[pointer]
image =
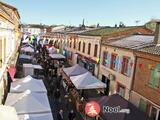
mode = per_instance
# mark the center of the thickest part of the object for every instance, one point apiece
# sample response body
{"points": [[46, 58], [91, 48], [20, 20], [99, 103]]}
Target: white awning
{"points": [[28, 83], [32, 66], [24, 56], [8, 113], [87, 81], [27, 49], [42, 116], [57, 56], [74, 70], [28, 102]]}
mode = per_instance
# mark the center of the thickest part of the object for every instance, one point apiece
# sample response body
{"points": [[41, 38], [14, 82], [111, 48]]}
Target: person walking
{"points": [[71, 115], [57, 95], [60, 115]]}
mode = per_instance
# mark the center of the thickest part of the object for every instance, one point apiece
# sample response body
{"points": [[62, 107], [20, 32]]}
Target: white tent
{"points": [[87, 81], [28, 102], [42, 116], [52, 50], [57, 56], [8, 113], [27, 49], [74, 70], [21, 85], [24, 56]]}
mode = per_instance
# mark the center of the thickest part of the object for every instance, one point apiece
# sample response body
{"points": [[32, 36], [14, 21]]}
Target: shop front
{"points": [[87, 64]]}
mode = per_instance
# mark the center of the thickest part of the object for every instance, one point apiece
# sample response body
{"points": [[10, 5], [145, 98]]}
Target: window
{"points": [[142, 105], [120, 90], [79, 47], [0, 53], [95, 50], [89, 48], [74, 43], [154, 81], [83, 47], [125, 65], [114, 61], [70, 44], [104, 58]]}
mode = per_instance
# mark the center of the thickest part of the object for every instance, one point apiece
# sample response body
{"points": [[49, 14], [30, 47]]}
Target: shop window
{"points": [[79, 47], [89, 48], [154, 113], [83, 47], [142, 105], [95, 50], [114, 61], [154, 81], [121, 90]]}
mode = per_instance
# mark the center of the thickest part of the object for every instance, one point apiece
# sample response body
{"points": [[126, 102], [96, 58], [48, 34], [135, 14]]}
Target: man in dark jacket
{"points": [[71, 115], [60, 115]]}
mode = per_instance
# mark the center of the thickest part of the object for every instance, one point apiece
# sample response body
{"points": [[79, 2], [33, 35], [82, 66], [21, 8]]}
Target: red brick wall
{"points": [[141, 80]]}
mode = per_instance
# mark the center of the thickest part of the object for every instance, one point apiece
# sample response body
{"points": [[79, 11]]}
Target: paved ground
{"points": [[64, 102]]}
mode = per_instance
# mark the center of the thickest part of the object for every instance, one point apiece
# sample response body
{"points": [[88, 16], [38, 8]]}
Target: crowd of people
{"points": [[51, 70]]}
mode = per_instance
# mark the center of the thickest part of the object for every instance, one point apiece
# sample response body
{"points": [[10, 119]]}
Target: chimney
{"points": [[157, 34]]}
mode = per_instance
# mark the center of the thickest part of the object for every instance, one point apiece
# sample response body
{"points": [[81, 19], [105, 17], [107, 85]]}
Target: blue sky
{"points": [[71, 12]]}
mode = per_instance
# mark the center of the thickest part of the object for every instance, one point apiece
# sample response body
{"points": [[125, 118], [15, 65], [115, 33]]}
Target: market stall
{"points": [[27, 83], [57, 56], [31, 69], [8, 113], [28, 49], [29, 102], [41, 116], [23, 58]]}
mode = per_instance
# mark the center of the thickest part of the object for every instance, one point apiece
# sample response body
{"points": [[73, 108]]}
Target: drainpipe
{"points": [[133, 75], [99, 56]]}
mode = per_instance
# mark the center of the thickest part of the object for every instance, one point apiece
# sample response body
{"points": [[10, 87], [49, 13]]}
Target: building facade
{"points": [[118, 60], [146, 85], [9, 43]]}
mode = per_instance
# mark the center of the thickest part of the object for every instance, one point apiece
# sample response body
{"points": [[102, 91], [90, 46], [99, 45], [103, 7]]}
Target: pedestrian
{"points": [[71, 115], [60, 115], [57, 94]]}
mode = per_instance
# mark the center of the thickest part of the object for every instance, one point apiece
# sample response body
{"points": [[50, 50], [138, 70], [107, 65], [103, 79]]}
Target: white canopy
{"points": [[24, 56], [28, 102], [27, 49], [42, 116], [57, 56], [52, 50], [32, 66], [87, 81], [8, 113], [74, 70], [21, 85]]}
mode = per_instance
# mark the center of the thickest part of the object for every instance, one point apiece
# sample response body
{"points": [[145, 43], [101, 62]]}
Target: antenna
{"points": [[137, 22]]}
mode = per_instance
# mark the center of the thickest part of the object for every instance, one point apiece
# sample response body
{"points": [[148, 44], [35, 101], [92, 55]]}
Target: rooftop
{"points": [[105, 31], [152, 49], [132, 41]]}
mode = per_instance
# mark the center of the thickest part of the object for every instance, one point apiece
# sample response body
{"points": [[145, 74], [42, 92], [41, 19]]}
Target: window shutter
{"points": [[129, 68], [109, 60], [151, 81], [120, 64], [156, 78], [117, 62]]}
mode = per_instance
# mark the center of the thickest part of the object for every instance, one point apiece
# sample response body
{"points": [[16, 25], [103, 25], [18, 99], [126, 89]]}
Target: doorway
{"points": [[107, 82]]}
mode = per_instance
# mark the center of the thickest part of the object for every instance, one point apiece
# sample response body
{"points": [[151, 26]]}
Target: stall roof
{"points": [[8, 113], [74, 70], [87, 81], [116, 100], [33, 66], [27, 49], [42, 116], [57, 56], [24, 56], [28, 102], [23, 84]]}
